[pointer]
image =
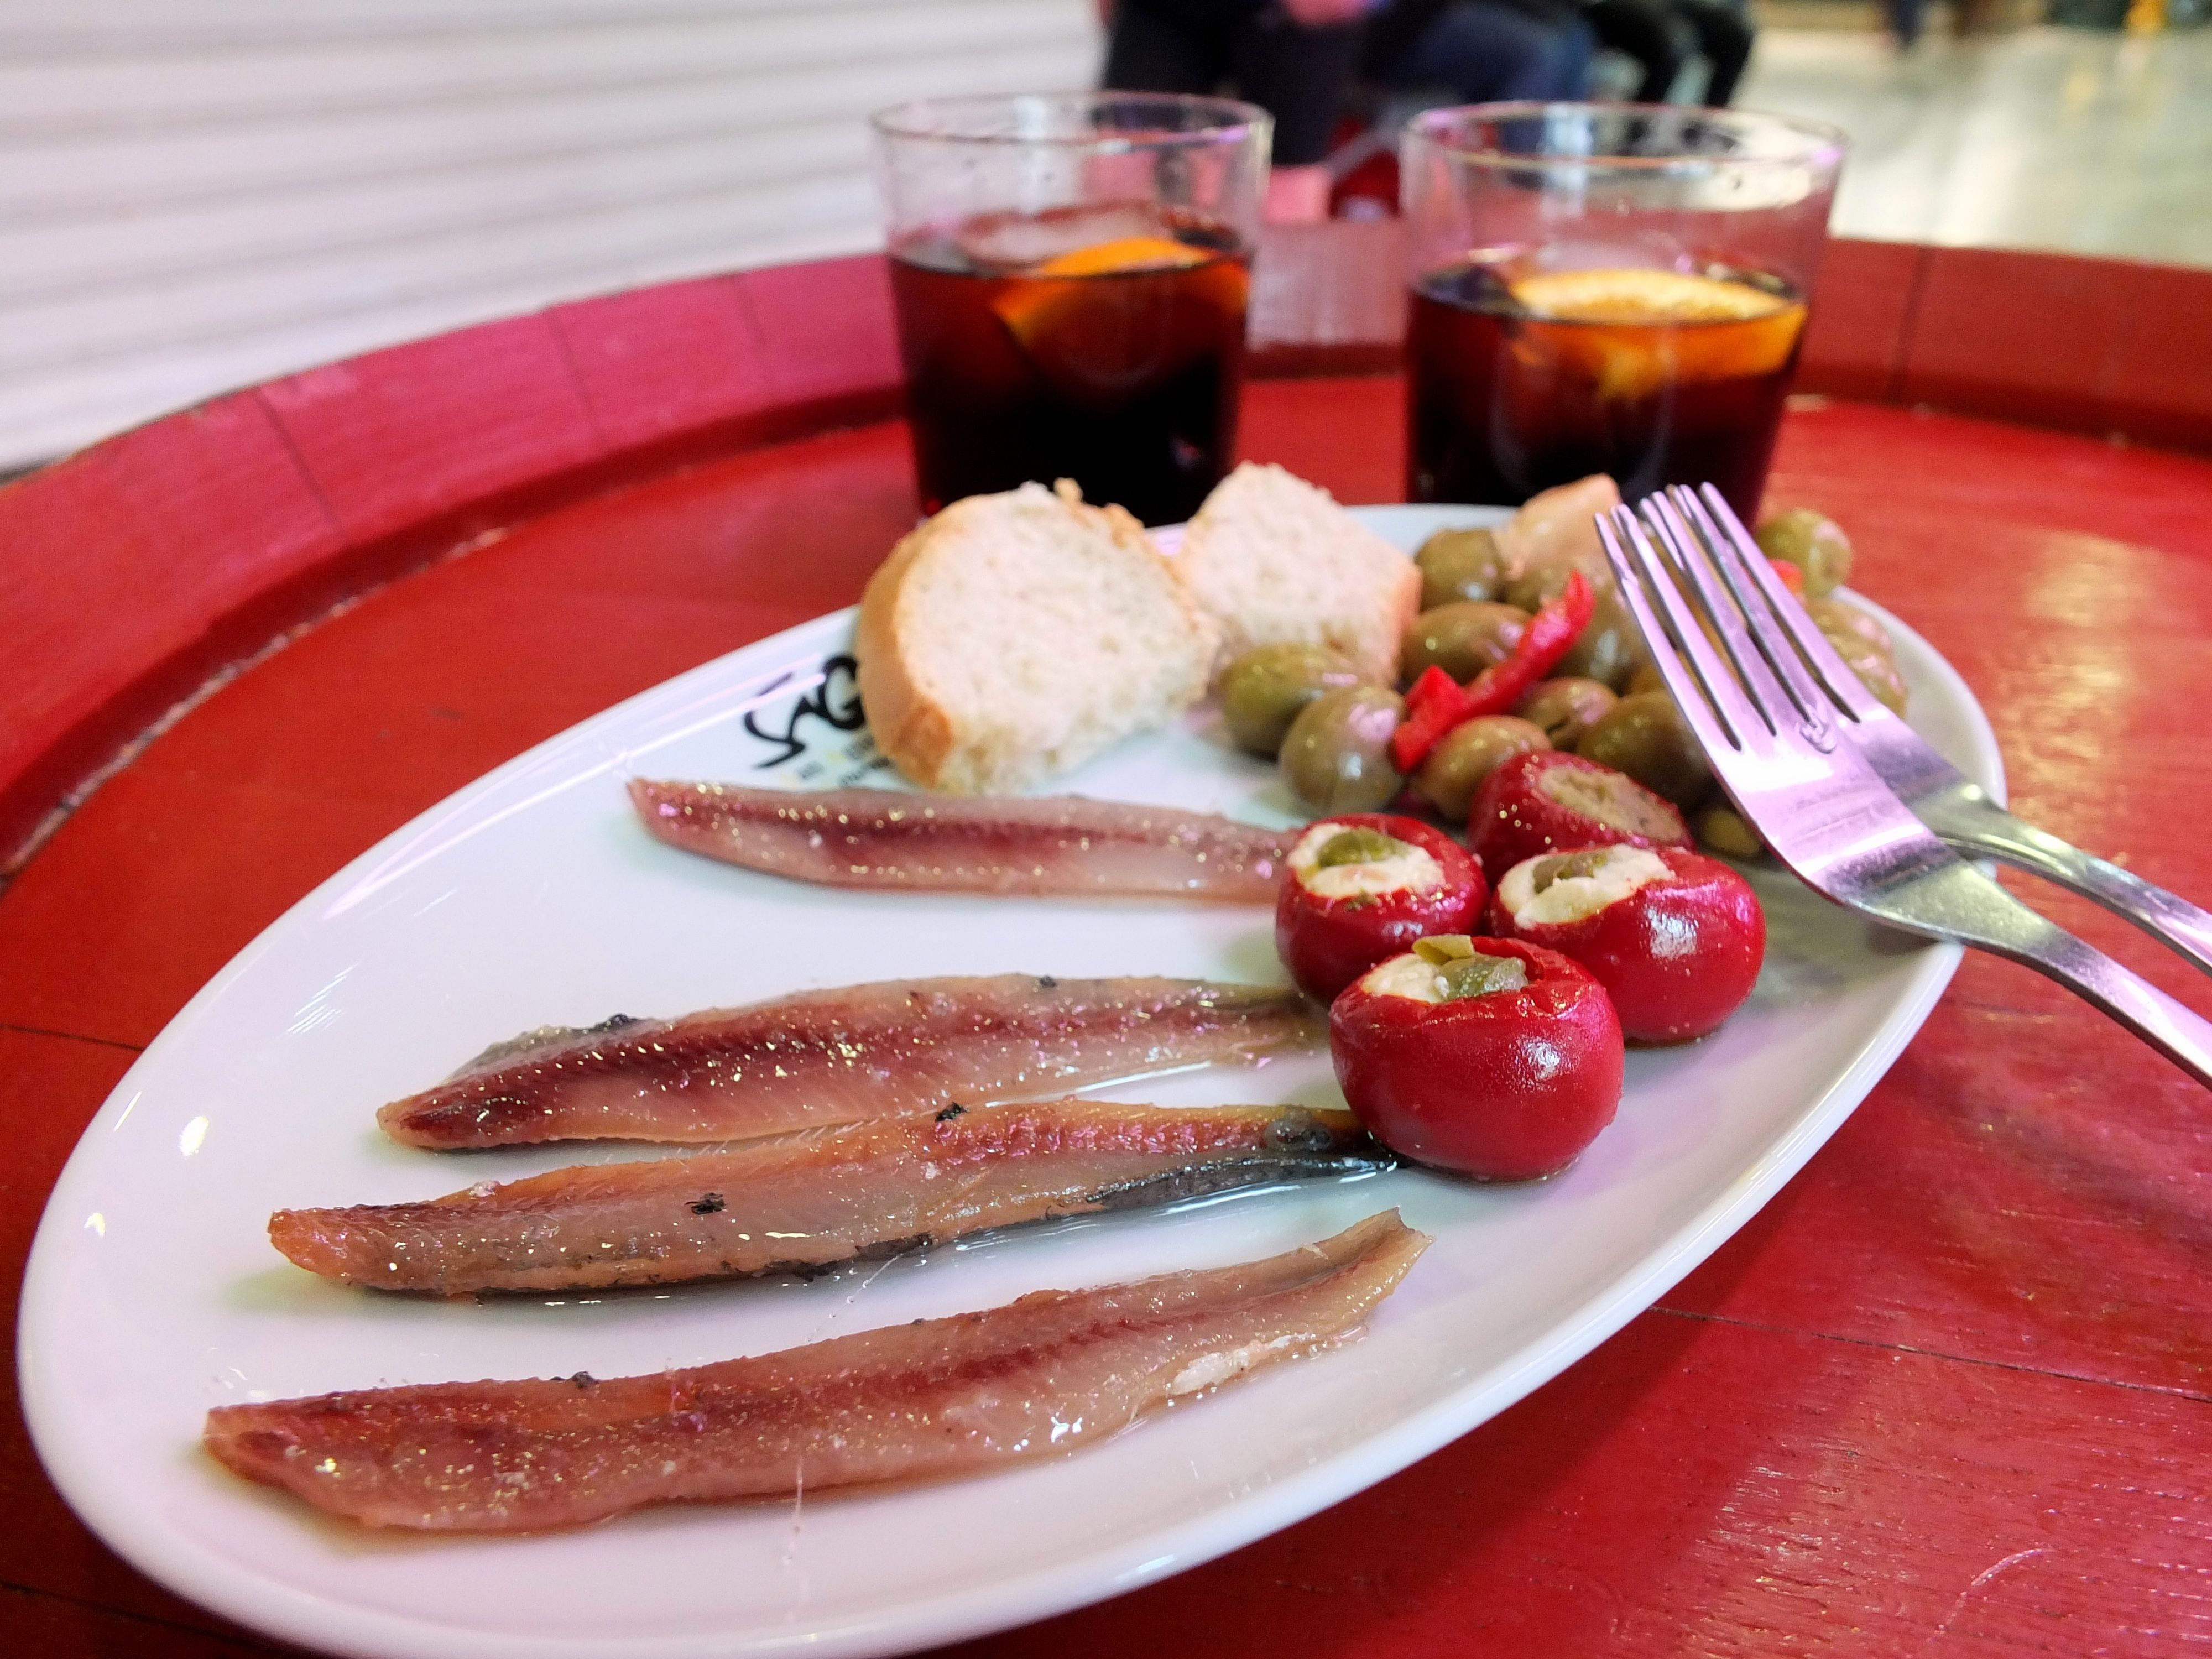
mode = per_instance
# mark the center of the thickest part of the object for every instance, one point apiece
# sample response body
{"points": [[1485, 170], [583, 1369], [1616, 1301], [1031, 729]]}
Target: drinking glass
{"points": [[1606, 288], [1071, 273]]}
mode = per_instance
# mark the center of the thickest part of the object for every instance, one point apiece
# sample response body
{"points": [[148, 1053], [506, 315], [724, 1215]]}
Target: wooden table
{"points": [[1949, 1394]]}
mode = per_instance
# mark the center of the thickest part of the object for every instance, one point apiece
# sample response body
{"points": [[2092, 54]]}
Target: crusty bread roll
{"points": [[1014, 636], [1274, 559]]}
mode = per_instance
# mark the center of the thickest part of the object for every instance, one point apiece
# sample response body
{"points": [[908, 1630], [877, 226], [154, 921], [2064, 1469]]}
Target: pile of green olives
{"points": [[1306, 707], [1863, 644], [1822, 554]]}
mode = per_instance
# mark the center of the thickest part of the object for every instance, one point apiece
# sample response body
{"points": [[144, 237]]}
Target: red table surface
{"points": [[1950, 1393]]}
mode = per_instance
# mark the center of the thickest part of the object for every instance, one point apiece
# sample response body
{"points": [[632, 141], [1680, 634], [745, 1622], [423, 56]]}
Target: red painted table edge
{"points": [[203, 537]]}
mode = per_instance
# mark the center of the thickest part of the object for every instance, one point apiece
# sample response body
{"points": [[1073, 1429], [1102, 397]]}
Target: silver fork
{"points": [[1778, 748], [1944, 798]]}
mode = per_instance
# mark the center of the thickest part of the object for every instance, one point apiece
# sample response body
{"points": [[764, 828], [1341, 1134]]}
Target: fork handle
{"points": [[1979, 825], [2181, 1036]]}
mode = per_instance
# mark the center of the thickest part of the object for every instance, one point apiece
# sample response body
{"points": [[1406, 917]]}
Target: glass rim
{"points": [[1823, 144], [1231, 119]]}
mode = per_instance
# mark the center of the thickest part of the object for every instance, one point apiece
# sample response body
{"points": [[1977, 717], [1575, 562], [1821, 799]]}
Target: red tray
{"points": [[1949, 1393]]}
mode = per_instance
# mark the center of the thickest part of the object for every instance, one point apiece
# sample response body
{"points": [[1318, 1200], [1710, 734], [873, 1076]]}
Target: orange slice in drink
{"points": [[1099, 342], [1122, 253], [1035, 305], [1633, 333]]}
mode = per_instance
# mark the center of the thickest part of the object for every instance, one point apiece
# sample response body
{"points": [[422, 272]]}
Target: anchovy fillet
{"points": [[807, 1202], [843, 1056], [930, 1400], [1054, 845]]}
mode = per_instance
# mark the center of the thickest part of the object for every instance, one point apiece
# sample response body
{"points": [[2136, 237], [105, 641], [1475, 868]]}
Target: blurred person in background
{"points": [[1295, 59], [1663, 35], [1483, 51]]}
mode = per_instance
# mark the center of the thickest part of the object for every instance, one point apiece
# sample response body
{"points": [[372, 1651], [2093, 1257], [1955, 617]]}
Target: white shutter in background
{"points": [[198, 194]]}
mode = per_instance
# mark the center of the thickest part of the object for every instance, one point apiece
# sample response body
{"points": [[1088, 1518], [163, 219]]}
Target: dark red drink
{"points": [[1116, 360], [1517, 383]]}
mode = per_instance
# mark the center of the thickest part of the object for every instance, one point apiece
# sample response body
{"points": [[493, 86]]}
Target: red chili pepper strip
{"points": [[1433, 709], [1551, 634]]}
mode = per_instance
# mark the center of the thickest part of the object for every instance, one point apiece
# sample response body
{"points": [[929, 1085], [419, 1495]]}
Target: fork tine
{"points": [[1837, 682], [1714, 705], [1767, 633], [1764, 691]]}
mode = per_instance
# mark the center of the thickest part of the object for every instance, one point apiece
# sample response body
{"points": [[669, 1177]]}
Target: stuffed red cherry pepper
{"points": [[1364, 886], [1675, 938], [1554, 802], [1493, 1057]]}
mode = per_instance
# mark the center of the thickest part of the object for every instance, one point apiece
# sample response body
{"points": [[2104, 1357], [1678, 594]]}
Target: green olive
{"points": [[1646, 737], [1568, 867], [1441, 950], [1358, 846], [1566, 708], [1470, 752], [1645, 678], [1721, 829], [1608, 648], [1263, 689], [1840, 621], [1460, 564], [1462, 639], [1467, 972], [1480, 976], [1336, 757], [1640, 666], [1814, 544], [1876, 671], [1464, 971]]}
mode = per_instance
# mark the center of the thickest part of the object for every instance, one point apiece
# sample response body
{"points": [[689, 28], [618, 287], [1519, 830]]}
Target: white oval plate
{"points": [[533, 897]]}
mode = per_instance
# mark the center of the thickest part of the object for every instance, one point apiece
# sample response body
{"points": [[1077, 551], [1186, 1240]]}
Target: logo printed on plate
{"points": [[822, 728]]}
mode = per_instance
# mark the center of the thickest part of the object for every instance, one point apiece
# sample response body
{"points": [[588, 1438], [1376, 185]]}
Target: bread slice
{"points": [[1274, 559], [1014, 636]]}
